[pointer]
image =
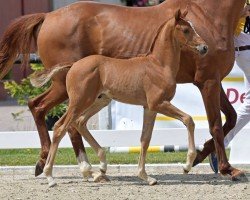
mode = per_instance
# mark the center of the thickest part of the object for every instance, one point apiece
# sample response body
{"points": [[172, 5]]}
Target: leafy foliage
{"points": [[24, 91]]}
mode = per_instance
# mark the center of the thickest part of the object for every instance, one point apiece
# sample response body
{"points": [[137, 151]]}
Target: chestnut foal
{"points": [[147, 80]]}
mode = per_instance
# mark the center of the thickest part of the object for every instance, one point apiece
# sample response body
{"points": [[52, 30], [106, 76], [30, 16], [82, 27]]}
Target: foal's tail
{"points": [[38, 79], [17, 40]]}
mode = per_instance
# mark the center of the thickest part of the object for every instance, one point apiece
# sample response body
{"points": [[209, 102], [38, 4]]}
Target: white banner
{"points": [[187, 98]]}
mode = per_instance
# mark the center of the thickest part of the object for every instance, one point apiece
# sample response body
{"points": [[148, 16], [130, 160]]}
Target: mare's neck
{"points": [[216, 20], [223, 15], [228, 10], [166, 49]]}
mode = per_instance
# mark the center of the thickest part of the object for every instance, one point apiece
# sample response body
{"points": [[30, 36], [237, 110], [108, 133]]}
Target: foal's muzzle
{"points": [[202, 48]]}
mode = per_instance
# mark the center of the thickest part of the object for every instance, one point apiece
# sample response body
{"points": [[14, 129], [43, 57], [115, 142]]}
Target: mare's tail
{"points": [[38, 79], [17, 40]]}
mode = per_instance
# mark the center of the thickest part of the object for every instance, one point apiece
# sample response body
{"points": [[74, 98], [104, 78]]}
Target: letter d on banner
{"points": [[232, 92]]}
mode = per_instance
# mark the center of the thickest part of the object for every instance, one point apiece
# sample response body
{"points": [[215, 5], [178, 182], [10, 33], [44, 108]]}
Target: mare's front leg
{"points": [[231, 117], [148, 125], [210, 91], [39, 107]]}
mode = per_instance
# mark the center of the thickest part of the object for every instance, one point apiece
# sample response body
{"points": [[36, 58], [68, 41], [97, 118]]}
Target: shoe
{"points": [[213, 161]]}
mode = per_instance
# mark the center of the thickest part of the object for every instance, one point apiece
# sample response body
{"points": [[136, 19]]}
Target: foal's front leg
{"points": [[148, 125], [168, 109], [81, 126]]}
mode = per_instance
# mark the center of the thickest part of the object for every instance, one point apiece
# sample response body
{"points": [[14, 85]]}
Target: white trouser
{"points": [[243, 61]]}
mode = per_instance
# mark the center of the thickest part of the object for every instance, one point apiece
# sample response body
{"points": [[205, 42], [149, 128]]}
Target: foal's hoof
{"points": [[39, 168], [52, 184], [185, 171], [239, 176], [152, 182], [87, 175], [100, 178]]}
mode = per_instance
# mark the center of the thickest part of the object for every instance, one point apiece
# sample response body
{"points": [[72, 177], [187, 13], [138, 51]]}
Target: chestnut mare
{"points": [[87, 28], [148, 80]]}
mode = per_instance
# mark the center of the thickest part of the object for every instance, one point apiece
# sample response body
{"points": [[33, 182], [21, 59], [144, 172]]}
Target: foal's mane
{"points": [[158, 33]]}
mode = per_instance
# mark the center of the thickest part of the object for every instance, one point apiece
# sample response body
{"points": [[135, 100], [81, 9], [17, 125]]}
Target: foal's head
{"points": [[186, 34]]}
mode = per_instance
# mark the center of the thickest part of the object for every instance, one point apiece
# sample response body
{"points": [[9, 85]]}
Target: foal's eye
{"points": [[186, 31]]}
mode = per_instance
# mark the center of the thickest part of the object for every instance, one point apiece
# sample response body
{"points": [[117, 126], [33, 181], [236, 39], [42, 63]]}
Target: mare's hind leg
{"points": [[81, 125], [168, 109], [148, 125], [39, 106]]}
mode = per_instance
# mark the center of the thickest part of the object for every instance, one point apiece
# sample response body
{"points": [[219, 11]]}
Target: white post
{"points": [[105, 119]]}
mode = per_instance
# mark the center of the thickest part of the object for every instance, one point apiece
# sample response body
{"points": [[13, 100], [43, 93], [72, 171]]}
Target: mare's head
{"points": [[187, 36]]}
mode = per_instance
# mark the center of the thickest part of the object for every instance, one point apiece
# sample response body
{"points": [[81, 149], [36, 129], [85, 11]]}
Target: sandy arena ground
{"points": [[201, 183]]}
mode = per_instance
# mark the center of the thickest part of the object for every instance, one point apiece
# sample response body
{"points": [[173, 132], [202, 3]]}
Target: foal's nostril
{"points": [[203, 49]]}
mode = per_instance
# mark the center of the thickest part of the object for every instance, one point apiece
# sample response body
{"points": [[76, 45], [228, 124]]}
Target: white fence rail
{"points": [[106, 138], [240, 147]]}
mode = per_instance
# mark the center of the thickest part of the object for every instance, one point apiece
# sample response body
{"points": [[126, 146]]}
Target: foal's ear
{"points": [[184, 14], [177, 15]]}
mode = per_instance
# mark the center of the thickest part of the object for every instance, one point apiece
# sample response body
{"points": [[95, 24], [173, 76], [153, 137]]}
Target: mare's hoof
{"points": [[240, 176], [197, 160], [39, 168]]}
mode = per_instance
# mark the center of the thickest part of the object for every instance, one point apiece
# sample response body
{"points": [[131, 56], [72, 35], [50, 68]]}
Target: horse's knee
{"points": [[38, 111], [188, 121], [81, 122], [216, 132], [59, 132], [31, 104], [216, 129]]}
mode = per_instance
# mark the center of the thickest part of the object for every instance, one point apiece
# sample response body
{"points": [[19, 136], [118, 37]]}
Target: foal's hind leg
{"points": [[76, 107], [81, 125], [80, 152], [59, 131], [39, 107], [148, 125], [168, 109]]}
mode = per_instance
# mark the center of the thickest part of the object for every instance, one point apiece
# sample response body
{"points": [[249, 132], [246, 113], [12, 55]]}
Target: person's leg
{"points": [[243, 61], [242, 119]]}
